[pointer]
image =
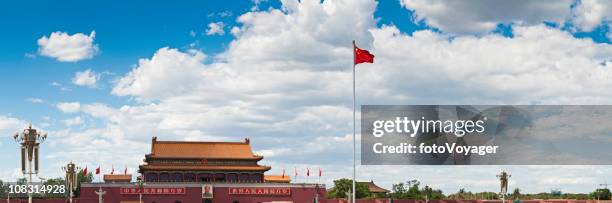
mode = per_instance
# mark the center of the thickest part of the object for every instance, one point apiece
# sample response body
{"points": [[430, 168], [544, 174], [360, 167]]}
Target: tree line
{"points": [[413, 189]]}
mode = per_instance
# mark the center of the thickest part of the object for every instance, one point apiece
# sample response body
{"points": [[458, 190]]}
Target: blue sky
{"points": [[126, 34], [280, 74]]}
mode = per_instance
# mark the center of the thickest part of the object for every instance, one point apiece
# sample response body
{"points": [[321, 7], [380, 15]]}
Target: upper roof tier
{"points": [[202, 150]]}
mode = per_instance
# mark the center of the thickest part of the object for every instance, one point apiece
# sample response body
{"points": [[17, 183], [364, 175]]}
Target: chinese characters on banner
{"points": [[260, 191], [157, 191]]}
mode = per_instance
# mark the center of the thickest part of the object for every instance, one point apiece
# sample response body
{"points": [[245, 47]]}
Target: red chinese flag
{"points": [[113, 170], [125, 172], [85, 171], [98, 170], [362, 56], [307, 172]]}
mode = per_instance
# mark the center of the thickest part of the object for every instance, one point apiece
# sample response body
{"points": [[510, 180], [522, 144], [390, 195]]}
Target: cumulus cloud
{"points": [[481, 17], [87, 78], [69, 107], [168, 72], [68, 48], [463, 17], [73, 121], [215, 28], [285, 39], [10, 125], [559, 62], [590, 13]]}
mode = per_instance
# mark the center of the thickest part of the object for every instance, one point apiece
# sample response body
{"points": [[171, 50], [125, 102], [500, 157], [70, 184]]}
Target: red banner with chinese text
{"points": [[259, 191], [156, 191]]}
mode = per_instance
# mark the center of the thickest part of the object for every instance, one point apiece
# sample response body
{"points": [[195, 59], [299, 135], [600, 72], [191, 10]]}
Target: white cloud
{"points": [[591, 13], [302, 36], [221, 14], [73, 121], [273, 152], [493, 69], [86, 78], [30, 55], [168, 72], [35, 100], [99, 110], [69, 107], [68, 48], [481, 17], [215, 28], [224, 14], [463, 17], [235, 31], [10, 125]]}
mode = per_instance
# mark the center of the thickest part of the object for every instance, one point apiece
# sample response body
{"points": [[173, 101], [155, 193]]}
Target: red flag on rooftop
{"points": [[113, 170], [308, 172], [85, 171], [98, 170], [125, 172], [361, 55]]}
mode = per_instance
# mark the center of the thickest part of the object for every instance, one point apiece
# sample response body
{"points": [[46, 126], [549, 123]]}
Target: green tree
{"points": [[342, 186], [462, 194], [398, 190], [431, 193], [55, 181], [3, 189], [602, 194], [412, 190], [486, 195]]}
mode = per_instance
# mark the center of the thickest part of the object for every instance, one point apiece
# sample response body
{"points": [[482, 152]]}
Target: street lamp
{"points": [[141, 185], [30, 141], [71, 177], [427, 193], [503, 180]]}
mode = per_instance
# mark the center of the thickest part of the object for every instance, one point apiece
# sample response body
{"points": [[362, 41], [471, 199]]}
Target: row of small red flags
{"points": [[295, 173], [98, 170]]}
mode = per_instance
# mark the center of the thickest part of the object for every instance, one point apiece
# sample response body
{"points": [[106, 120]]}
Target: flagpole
{"points": [[319, 181], [354, 128]]}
